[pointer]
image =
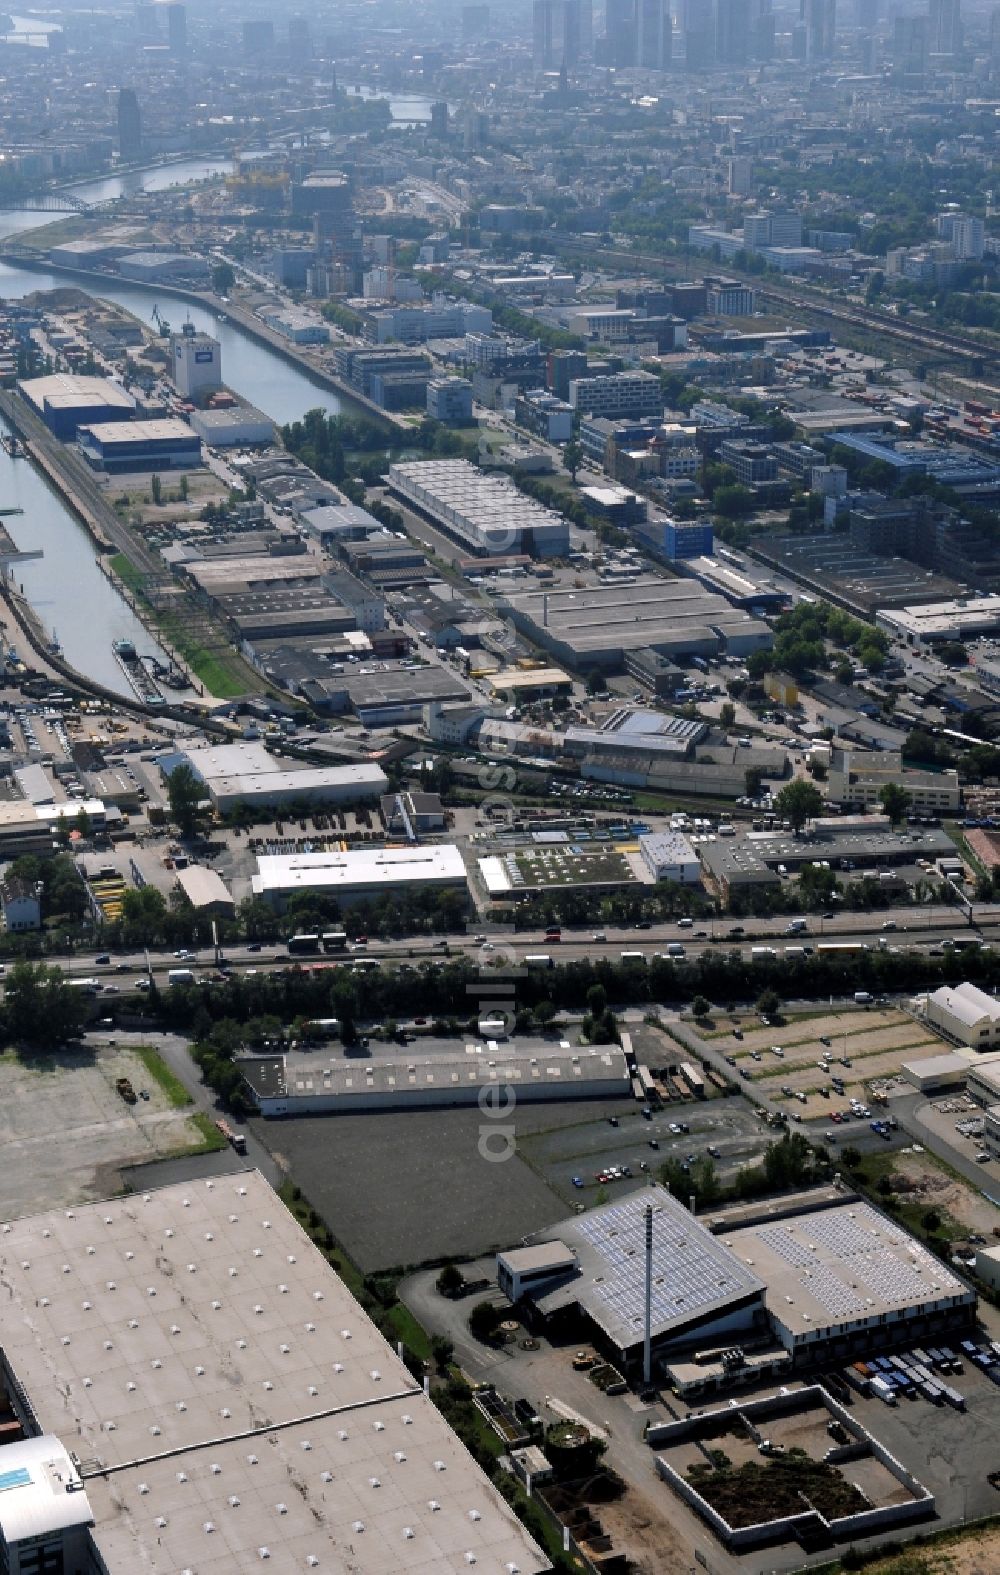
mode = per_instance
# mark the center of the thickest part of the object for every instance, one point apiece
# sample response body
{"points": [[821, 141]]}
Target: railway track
{"points": [[924, 339]]}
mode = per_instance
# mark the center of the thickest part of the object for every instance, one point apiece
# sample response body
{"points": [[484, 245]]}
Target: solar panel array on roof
{"points": [[691, 1269]]}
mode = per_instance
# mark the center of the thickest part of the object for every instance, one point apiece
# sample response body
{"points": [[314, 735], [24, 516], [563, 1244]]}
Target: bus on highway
{"points": [[335, 940], [539, 960], [302, 945], [842, 948]]}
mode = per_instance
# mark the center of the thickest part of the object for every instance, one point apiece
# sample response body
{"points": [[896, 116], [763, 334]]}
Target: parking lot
{"points": [[950, 1451], [66, 1132], [874, 1043], [570, 1157]]}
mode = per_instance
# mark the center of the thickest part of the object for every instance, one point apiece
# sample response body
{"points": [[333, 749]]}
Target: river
{"points": [[66, 587]]}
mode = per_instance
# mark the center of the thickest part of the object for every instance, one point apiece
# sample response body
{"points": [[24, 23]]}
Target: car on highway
{"points": [[578, 1181], [102, 959]]}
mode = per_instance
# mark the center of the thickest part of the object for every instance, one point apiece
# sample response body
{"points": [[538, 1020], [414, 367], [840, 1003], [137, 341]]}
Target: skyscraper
{"points": [[299, 42], [177, 28], [621, 27], [909, 46], [700, 29], [555, 34], [654, 35], [129, 126], [258, 38], [820, 17], [944, 27], [732, 31]]}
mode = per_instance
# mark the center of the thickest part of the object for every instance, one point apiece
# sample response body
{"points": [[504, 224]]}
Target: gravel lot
{"points": [[65, 1133], [410, 1187]]}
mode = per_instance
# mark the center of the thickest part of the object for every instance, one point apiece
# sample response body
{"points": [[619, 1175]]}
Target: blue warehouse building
{"points": [[66, 402], [116, 447]]}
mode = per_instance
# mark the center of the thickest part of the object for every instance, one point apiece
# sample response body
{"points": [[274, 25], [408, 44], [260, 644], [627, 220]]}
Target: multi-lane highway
{"points": [[923, 929]]}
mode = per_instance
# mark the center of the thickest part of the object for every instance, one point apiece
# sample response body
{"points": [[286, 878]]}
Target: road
{"points": [[924, 928], [175, 1051]]}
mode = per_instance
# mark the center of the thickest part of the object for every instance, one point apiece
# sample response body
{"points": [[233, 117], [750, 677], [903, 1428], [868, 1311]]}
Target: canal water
{"points": [[66, 587]]}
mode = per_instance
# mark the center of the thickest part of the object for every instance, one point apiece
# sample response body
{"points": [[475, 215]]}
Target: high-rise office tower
{"points": [[147, 20], [299, 42], [129, 126], [439, 121], [654, 35], [555, 34], [258, 38], [542, 24], [177, 28], [866, 13], [699, 28], [621, 28], [762, 30], [740, 172], [820, 18], [732, 32], [910, 46], [944, 24], [995, 38], [586, 9]]}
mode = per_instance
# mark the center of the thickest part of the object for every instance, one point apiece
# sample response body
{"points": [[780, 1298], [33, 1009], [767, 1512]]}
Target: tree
{"points": [[223, 278], [442, 1351], [727, 714], [798, 802], [40, 1006], [597, 1000], [596, 683], [184, 792], [450, 1281], [895, 801], [484, 1321], [156, 488], [768, 1003], [700, 1007], [572, 458], [851, 1157], [753, 781]]}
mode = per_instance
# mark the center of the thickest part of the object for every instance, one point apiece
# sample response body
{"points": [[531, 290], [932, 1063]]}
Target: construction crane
{"points": [[162, 325]]}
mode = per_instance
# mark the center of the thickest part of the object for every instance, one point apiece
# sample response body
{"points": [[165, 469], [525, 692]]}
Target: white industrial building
{"points": [[824, 1283], [668, 855], [359, 874], [983, 1081], [200, 1392], [961, 619], [205, 890], [295, 1085], [485, 514], [196, 364], [849, 1276], [933, 1074], [967, 1014], [247, 773], [238, 426]]}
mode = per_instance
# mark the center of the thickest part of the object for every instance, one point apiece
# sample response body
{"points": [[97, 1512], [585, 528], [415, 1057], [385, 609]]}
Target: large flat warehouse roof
{"points": [[843, 1267], [645, 610], [361, 868], [695, 1276], [229, 1401], [65, 390], [412, 1075]]}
